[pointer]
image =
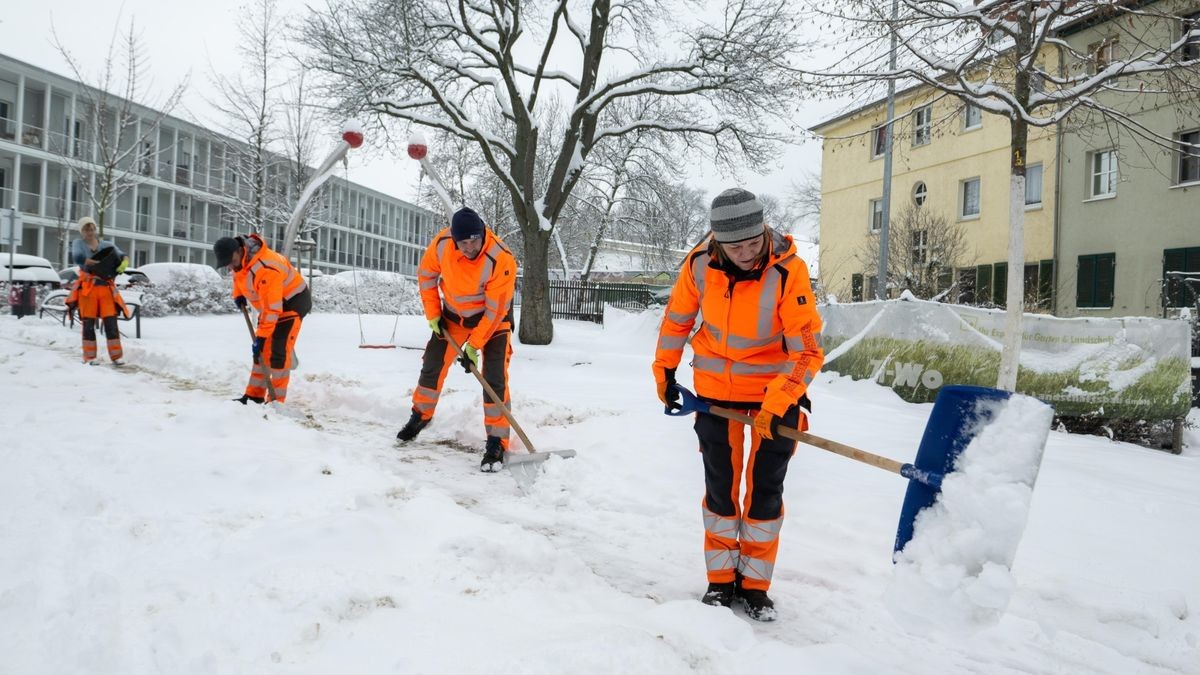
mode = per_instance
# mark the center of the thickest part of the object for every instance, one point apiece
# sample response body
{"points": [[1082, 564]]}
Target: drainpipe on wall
{"points": [[1057, 229]]}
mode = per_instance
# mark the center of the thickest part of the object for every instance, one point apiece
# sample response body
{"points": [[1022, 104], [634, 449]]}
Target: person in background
{"points": [[95, 293], [756, 351], [476, 276], [269, 282]]}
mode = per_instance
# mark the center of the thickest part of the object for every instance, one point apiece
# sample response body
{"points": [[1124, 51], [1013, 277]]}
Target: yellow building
{"points": [[951, 160]]}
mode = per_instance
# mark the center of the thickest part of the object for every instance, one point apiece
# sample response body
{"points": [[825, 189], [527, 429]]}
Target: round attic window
{"points": [[919, 193]]}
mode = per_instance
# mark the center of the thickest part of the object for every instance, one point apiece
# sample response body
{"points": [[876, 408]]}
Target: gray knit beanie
{"points": [[736, 215]]}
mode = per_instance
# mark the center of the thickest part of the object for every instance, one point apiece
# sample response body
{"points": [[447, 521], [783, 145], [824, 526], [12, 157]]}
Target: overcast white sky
{"points": [[183, 43]]}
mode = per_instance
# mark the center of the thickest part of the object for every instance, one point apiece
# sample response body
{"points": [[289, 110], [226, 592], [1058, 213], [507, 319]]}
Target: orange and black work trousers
{"points": [[493, 364], [98, 302], [276, 359], [741, 535]]}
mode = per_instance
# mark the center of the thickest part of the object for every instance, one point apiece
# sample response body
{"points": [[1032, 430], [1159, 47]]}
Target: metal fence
{"points": [[585, 300]]}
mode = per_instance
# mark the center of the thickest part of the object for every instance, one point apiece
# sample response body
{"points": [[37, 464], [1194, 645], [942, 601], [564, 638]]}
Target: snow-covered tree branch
{"points": [[445, 65]]}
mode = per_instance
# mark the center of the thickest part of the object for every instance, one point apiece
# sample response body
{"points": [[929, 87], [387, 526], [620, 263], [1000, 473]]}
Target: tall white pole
{"points": [[886, 197]]}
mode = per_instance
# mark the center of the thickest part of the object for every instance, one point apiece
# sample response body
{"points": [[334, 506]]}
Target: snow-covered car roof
{"points": [[27, 268], [161, 273]]}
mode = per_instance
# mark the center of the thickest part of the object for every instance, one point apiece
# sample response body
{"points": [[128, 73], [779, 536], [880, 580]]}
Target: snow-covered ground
{"points": [[152, 526]]}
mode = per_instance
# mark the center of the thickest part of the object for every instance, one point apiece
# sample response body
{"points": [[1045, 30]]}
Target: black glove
{"points": [[668, 390], [257, 348], [240, 301]]}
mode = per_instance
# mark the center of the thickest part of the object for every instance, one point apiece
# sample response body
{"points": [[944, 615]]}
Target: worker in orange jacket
{"points": [[467, 279], [95, 292], [756, 351], [267, 280]]}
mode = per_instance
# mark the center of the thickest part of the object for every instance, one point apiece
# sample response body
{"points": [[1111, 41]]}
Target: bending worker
{"points": [[267, 280], [96, 295], [476, 276], [755, 352]]}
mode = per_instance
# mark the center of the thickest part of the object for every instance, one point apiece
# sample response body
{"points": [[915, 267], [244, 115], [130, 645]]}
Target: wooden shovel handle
{"points": [[491, 393], [816, 441], [258, 361]]}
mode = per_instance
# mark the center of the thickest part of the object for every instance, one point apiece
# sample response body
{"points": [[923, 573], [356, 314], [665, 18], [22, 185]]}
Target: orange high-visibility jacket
{"points": [[759, 337], [266, 279], [483, 287]]}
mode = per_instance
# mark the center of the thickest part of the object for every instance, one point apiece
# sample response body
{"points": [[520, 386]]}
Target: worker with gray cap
{"points": [[756, 352]]}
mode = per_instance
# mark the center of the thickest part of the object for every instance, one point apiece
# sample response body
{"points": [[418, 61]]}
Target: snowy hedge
{"points": [[373, 294]]}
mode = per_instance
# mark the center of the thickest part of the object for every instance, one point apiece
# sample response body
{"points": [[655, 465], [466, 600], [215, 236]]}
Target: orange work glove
{"points": [[764, 424]]}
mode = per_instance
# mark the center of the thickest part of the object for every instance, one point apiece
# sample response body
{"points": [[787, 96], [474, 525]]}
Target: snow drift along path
{"points": [[153, 526]]}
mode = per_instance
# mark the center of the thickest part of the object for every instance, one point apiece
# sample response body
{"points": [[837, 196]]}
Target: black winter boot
{"points": [[413, 427], [719, 595], [493, 455], [246, 398], [758, 606]]}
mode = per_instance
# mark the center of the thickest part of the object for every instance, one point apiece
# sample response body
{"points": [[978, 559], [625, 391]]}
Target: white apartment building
{"points": [[180, 203]]}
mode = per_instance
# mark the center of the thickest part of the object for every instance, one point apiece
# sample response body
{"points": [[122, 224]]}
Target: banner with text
{"points": [[1130, 368]]}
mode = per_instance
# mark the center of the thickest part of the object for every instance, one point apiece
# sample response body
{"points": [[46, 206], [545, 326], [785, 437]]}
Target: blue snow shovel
{"points": [[957, 417]]}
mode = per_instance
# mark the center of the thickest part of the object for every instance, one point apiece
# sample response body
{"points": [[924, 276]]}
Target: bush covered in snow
{"points": [[368, 292], [183, 295]]}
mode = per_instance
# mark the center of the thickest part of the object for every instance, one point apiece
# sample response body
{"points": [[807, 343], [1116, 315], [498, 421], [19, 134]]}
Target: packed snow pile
{"points": [[954, 574]]}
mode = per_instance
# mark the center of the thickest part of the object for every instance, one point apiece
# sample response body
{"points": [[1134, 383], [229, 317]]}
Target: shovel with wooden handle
{"points": [[523, 463], [959, 414], [258, 359]]}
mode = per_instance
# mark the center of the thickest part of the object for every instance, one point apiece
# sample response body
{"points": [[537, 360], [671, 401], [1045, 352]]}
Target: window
{"points": [[1104, 53], [1095, 280], [966, 285], [920, 192], [1104, 173], [1189, 157], [1037, 82], [1190, 28], [972, 117], [983, 284], [1045, 286], [1180, 290], [922, 124], [878, 141], [1033, 185], [876, 215], [7, 128], [920, 247], [856, 287], [969, 198]]}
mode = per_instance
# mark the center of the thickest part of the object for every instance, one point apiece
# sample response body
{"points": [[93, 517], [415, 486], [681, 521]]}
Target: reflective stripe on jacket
{"points": [[266, 279], [482, 287], [759, 336]]}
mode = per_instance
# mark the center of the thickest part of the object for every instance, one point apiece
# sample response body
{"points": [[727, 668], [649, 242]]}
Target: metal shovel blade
{"points": [[524, 466]]}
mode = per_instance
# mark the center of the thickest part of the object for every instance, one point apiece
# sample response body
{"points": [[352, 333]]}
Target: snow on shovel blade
{"points": [[524, 466], [958, 536]]}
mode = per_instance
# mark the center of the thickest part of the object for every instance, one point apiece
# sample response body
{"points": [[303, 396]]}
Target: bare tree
{"points": [[124, 126], [1008, 57], [250, 103], [928, 247], [639, 158], [664, 216], [720, 84], [804, 194]]}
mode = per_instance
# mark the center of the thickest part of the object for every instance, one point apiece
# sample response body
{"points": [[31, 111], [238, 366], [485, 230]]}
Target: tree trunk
{"points": [[1010, 356], [537, 328]]}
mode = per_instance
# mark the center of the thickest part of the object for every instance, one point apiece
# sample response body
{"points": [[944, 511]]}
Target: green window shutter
{"points": [[1106, 272], [1000, 284], [1174, 260], [983, 283], [1085, 282]]}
